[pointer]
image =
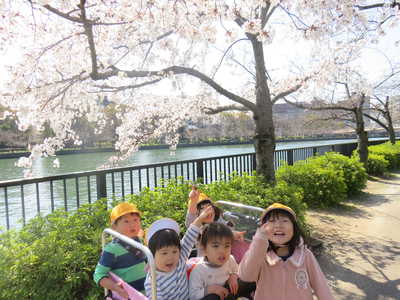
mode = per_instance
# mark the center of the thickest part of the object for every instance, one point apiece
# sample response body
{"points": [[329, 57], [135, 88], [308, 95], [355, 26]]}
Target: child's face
{"points": [[279, 229], [129, 225], [218, 251], [167, 258]]}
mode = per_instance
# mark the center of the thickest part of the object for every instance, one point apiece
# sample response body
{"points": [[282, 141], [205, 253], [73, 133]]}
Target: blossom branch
{"points": [[108, 88], [225, 53], [213, 111], [286, 93], [177, 70]]}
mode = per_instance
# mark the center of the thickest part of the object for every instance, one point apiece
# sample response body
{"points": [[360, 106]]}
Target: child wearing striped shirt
{"points": [[170, 256], [125, 261]]}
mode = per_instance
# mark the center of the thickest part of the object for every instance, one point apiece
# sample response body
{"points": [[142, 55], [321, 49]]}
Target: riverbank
{"points": [[361, 249]]}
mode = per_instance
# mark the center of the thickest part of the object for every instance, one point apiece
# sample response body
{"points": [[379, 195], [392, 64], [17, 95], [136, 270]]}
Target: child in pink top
{"points": [[278, 261]]}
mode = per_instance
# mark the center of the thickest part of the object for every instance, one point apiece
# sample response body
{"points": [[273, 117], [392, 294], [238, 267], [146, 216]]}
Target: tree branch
{"points": [[225, 53], [376, 120], [213, 111], [177, 70], [286, 93], [108, 88], [377, 5]]}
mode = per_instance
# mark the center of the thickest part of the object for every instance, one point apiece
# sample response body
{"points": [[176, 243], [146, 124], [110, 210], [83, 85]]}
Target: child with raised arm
{"points": [[122, 259], [215, 276], [279, 262], [170, 256], [198, 201]]}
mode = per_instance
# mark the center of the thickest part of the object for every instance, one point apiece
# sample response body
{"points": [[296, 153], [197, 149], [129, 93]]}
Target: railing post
{"points": [[101, 185], [254, 162], [200, 170], [290, 157], [314, 151]]}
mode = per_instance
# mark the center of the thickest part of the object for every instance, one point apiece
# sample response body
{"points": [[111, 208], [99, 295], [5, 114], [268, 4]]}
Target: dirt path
{"points": [[361, 254]]}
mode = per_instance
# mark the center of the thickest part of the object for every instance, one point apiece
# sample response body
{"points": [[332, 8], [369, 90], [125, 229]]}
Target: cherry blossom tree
{"points": [[144, 55]]}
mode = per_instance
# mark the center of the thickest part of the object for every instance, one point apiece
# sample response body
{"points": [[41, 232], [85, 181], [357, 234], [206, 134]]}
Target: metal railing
{"points": [[23, 199]]}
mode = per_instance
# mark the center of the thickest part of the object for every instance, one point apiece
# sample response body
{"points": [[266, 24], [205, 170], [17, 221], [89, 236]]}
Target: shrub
{"points": [[390, 152], [377, 164], [53, 257], [355, 175], [322, 186]]}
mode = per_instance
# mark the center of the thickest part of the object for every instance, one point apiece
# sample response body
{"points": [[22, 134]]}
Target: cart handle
{"points": [[240, 205], [142, 248]]}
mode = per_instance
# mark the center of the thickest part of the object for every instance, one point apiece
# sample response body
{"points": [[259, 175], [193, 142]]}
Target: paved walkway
{"points": [[361, 254]]}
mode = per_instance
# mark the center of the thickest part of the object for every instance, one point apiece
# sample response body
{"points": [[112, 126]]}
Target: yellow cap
{"points": [[280, 206], [202, 197], [123, 209]]}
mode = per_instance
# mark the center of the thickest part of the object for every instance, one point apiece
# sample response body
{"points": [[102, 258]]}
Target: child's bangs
{"points": [[215, 232], [164, 238], [276, 214]]}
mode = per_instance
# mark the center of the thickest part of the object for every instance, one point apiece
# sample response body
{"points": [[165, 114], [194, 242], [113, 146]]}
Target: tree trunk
{"points": [[264, 143], [264, 140], [362, 135], [388, 117]]}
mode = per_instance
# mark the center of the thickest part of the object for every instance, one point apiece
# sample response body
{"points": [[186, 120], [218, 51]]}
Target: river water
{"points": [[91, 161]]}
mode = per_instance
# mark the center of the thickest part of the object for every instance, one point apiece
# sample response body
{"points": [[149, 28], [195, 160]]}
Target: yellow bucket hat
{"points": [[123, 209], [277, 205]]}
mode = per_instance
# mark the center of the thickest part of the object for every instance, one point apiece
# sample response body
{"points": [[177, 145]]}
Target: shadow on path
{"points": [[360, 263]]}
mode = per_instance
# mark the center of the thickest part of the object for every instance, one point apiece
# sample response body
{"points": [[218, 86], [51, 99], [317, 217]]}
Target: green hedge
{"points": [[377, 164], [390, 152], [322, 186], [355, 175], [54, 257]]}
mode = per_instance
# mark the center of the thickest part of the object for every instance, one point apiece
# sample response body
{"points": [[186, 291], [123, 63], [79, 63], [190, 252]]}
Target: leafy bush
{"points": [[355, 175], [54, 257], [377, 164], [390, 152], [322, 186]]}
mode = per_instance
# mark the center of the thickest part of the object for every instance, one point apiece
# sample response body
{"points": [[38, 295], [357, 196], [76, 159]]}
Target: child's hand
{"points": [[233, 283], [266, 229], [239, 235], [120, 290], [219, 290], [205, 215], [194, 194]]}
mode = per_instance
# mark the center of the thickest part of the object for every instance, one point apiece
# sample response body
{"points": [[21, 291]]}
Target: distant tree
{"points": [[384, 93]]}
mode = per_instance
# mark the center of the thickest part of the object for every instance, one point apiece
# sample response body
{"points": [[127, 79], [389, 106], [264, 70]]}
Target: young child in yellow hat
{"points": [[122, 259], [279, 262]]}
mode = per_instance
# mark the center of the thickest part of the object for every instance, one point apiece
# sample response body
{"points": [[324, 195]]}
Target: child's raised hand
{"points": [[205, 215], [194, 194], [266, 229], [219, 290]]}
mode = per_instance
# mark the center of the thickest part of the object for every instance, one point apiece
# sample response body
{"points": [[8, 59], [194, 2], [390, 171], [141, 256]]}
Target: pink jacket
{"points": [[295, 278]]}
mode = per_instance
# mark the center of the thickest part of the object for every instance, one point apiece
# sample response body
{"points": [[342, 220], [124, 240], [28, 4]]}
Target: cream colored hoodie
{"points": [[293, 279]]}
